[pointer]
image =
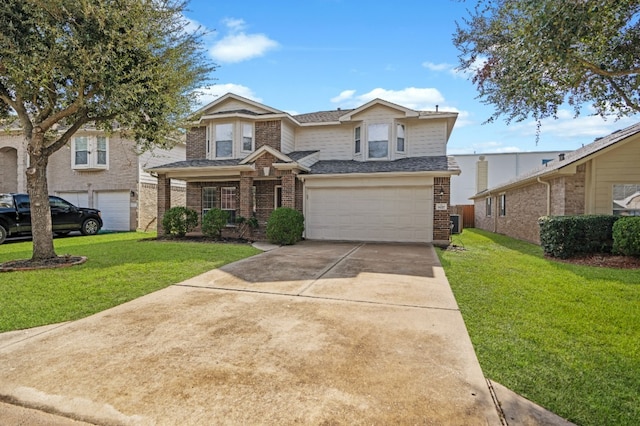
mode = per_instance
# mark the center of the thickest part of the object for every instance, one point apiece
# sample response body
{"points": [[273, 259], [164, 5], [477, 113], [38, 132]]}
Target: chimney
{"points": [[482, 174], [561, 157]]}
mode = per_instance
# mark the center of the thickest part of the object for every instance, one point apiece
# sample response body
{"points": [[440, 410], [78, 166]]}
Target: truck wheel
{"points": [[90, 227], [3, 234]]}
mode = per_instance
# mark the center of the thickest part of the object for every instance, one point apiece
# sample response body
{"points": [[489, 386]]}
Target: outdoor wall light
{"points": [[441, 192]]}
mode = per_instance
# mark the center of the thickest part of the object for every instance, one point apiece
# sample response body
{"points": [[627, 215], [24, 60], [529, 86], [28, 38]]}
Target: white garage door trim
{"points": [[372, 210], [116, 209]]}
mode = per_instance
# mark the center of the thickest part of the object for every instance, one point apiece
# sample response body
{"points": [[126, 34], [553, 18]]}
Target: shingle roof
{"points": [[572, 157], [321, 116], [198, 163], [413, 164], [299, 155]]}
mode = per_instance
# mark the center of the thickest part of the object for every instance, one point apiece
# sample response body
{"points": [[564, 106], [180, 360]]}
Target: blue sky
{"points": [[316, 55]]}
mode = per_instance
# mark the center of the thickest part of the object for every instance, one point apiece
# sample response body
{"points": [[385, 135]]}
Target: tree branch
{"points": [[597, 70], [623, 94], [67, 112], [62, 140]]}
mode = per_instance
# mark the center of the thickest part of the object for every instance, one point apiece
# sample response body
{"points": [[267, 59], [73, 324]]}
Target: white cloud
{"points": [[211, 93], [411, 97], [239, 46], [483, 147], [343, 96], [437, 67]]}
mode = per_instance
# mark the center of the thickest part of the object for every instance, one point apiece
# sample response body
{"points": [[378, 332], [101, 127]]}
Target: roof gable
{"points": [[231, 102], [261, 151], [407, 112]]}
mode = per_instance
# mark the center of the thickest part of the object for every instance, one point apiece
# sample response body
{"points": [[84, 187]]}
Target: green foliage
{"points": [[626, 236], [285, 226], [528, 57], [568, 236], [551, 330], [120, 267], [127, 65], [177, 221], [214, 221]]}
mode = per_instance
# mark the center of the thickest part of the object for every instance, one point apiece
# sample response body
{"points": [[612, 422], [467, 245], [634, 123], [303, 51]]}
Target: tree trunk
{"points": [[39, 196]]}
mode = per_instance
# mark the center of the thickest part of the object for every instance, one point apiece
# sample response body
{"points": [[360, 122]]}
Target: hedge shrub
{"points": [[626, 236], [569, 236], [177, 221], [285, 226], [214, 221]]}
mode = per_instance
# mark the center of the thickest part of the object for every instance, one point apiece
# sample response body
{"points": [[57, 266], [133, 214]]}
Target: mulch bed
{"points": [[29, 265], [602, 260]]}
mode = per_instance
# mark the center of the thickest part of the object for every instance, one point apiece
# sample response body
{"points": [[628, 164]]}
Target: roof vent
{"points": [[561, 157], [436, 108]]}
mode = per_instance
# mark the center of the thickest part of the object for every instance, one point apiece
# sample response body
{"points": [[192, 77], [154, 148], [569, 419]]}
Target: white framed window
{"points": [[357, 140], [247, 138], [400, 141], [90, 152], [378, 141], [277, 197], [224, 140], [503, 204], [487, 204], [228, 202], [208, 199]]}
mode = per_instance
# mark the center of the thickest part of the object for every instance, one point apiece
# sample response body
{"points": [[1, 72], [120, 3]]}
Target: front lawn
{"points": [[565, 336], [120, 267]]}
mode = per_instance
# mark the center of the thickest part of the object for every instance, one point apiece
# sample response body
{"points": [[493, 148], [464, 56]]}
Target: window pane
{"points": [[247, 137], [208, 198], [357, 140], [224, 148], [378, 149], [378, 141], [626, 200], [224, 140], [400, 138], [81, 154], [102, 150], [228, 198]]}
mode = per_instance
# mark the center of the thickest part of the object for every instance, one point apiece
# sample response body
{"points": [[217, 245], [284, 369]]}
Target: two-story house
{"points": [[97, 170], [375, 173]]}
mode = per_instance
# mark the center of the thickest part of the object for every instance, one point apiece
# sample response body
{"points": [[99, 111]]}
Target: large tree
{"points": [[129, 65], [527, 58]]}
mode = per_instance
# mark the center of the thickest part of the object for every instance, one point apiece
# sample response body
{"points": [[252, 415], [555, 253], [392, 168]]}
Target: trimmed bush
{"points": [[569, 236], [626, 236], [285, 226], [177, 221], [214, 221]]}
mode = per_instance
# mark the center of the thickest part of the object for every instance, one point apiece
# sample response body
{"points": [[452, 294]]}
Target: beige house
{"points": [[379, 172], [600, 178], [99, 171]]}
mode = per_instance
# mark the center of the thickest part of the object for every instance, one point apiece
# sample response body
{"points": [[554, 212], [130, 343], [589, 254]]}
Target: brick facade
{"points": [[526, 204], [148, 204], [441, 219], [196, 143], [269, 133]]}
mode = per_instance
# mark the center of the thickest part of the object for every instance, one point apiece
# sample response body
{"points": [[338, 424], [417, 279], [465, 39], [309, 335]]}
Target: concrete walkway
{"points": [[317, 333]]}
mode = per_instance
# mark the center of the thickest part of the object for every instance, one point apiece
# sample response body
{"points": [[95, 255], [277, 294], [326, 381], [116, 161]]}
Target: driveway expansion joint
{"points": [[326, 270]]}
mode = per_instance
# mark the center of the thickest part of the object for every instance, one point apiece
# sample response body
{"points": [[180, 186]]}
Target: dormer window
{"points": [[224, 141], [378, 140]]}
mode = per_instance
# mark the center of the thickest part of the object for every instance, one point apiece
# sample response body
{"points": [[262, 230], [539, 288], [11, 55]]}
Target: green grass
{"points": [[120, 267], [565, 336]]}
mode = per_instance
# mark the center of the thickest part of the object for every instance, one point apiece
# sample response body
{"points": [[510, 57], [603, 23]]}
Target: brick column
{"points": [[164, 200], [246, 195], [441, 219], [288, 189]]}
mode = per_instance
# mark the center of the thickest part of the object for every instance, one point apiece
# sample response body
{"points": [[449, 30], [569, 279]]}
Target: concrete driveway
{"points": [[317, 333]]}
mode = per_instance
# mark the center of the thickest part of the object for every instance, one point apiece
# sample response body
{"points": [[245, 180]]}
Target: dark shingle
{"points": [[198, 163], [414, 164], [321, 116], [299, 155]]}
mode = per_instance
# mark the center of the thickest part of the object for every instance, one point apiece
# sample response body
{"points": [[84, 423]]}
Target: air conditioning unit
{"points": [[455, 223]]}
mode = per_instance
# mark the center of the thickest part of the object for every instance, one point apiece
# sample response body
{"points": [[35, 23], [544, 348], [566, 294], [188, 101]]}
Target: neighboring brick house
{"points": [[375, 173], [600, 178], [97, 170]]}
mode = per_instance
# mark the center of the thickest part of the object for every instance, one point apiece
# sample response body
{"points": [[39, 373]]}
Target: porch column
{"points": [[246, 194], [288, 189], [164, 200]]}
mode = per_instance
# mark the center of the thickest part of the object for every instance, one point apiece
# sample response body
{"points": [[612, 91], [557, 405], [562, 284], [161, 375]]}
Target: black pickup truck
{"points": [[15, 217]]}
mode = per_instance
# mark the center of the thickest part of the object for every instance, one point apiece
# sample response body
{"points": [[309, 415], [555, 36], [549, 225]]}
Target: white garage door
{"points": [[370, 213], [78, 199], [115, 208]]}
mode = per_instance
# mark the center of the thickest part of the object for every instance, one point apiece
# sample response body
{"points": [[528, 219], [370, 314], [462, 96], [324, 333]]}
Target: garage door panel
{"points": [[78, 199], [116, 210], [370, 214]]}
